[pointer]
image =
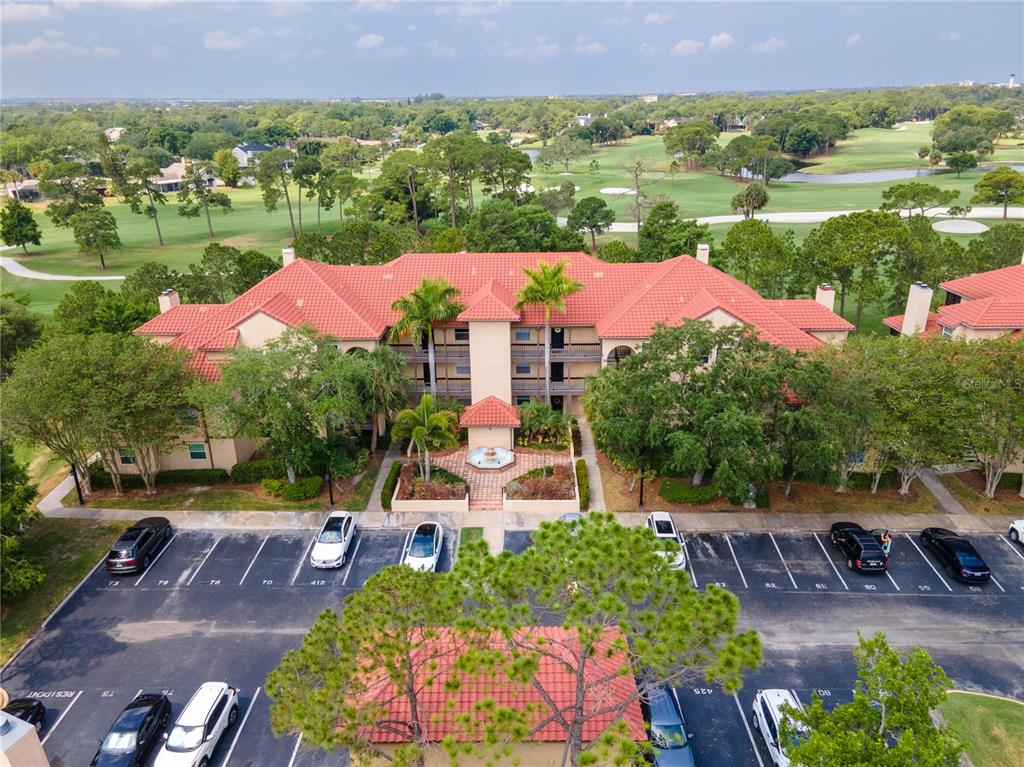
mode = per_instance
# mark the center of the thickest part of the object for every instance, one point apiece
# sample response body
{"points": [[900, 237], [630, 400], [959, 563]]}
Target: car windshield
{"points": [[422, 545], [666, 736], [332, 531], [796, 738], [967, 557], [185, 738], [118, 743], [663, 527]]}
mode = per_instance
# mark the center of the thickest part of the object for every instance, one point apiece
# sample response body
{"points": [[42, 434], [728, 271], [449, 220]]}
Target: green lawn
{"points": [[991, 727], [67, 549], [876, 148], [216, 498]]}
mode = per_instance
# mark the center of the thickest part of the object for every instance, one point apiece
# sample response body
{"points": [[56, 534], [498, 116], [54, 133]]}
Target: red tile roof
{"points": [[808, 314], [435, 659], [1007, 283], [996, 312], [931, 325], [493, 302], [490, 411], [620, 300]]}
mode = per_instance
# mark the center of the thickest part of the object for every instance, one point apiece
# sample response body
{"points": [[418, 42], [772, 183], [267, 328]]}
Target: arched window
{"points": [[618, 354]]}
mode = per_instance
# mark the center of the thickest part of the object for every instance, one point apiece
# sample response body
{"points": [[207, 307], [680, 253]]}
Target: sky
{"points": [[382, 48]]}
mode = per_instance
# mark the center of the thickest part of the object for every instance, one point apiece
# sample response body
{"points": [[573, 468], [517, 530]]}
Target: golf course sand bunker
{"points": [[618, 190], [953, 226]]}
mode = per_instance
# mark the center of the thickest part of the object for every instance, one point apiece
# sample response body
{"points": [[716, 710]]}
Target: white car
{"points": [[424, 547], [332, 544], [191, 742], [664, 529], [1017, 531], [767, 718]]}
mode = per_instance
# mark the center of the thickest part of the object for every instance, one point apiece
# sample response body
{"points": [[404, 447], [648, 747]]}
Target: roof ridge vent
{"points": [[387, 276], [599, 274], [300, 302]]}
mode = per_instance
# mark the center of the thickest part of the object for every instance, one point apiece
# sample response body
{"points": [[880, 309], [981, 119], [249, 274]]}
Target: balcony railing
{"points": [[441, 351], [535, 386], [567, 352], [444, 386]]}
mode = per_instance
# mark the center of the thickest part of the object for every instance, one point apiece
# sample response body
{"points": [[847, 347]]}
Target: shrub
{"points": [[542, 426], [584, 483], [1009, 482], [388, 489], [443, 485], [762, 499], [383, 439], [301, 490], [679, 491], [192, 477], [860, 480], [100, 479], [250, 472], [545, 483], [345, 465]]}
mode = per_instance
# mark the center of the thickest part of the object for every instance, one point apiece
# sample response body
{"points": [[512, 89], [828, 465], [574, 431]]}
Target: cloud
{"points": [[649, 49], [287, 8], [657, 19], [441, 51], [488, 26], [853, 40], [585, 47], [12, 12], [687, 47], [40, 46], [723, 41], [771, 45], [949, 37], [376, 6], [541, 48], [369, 42], [219, 40]]}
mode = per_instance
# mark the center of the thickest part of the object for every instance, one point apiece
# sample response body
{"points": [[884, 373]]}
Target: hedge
{"points": [[584, 483], [861, 480], [301, 490], [678, 491], [101, 479], [437, 474], [250, 472], [387, 490]]}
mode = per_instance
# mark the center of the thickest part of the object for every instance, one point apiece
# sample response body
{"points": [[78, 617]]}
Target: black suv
{"points": [[862, 550], [961, 560], [139, 727], [138, 545]]}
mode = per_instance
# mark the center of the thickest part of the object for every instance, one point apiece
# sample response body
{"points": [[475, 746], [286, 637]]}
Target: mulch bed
{"points": [[976, 481], [412, 488]]}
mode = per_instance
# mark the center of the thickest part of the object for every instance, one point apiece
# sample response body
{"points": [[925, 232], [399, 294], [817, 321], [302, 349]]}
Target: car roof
{"points": [[200, 703], [338, 515], [846, 526], [152, 522], [658, 516], [778, 698], [426, 528], [19, 704], [663, 707], [942, 532], [145, 700]]}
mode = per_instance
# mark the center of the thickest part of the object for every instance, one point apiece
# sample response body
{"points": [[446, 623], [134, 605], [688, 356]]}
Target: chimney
{"points": [[826, 296], [168, 300], [1022, 257], [287, 256], [919, 303], [703, 252]]}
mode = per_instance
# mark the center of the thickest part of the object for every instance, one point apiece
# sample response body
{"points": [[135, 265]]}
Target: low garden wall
{"points": [[459, 504], [553, 507]]}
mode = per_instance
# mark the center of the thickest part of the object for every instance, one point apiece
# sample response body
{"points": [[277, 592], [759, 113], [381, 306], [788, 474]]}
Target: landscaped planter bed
{"points": [[443, 493], [550, 489]]}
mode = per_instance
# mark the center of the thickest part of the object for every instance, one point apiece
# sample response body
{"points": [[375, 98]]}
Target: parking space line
{"points": [[253, 560], [203, 562], [241, 725], [166, 546], [351, 561], [688, 562], [305, 555], [738, 568], [783, 560], [834, 568], [998, 584], [295, 751], [746, 726], [892, 580], [60, 718], [1012, 547], [928, 562], [405, 546]]}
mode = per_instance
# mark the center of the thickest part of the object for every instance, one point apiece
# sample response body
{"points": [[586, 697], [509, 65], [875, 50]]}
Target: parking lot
{"points": [[228, 605]]}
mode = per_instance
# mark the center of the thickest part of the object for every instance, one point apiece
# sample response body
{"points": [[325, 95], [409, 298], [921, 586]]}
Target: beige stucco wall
{"points": [[972, 334], [829, 336], [161, 340], [258, 329], [607, 344], [225, 452], [490, 436], [460, 504], [719, 318], [490, 355], [20, 747], [582, 335], [348, 345]]}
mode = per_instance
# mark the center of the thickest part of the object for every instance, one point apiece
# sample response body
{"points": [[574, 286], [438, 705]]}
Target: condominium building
{"points": [[492, 349]]}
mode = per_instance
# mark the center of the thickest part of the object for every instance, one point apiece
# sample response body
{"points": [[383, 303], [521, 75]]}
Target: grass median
{"points": [[990, 726]]}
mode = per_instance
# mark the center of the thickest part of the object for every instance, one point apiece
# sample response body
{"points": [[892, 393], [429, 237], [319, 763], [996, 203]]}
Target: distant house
{"points": [[113, 134], [170, 178], [247, 153], [584, 120], [26, 191], [652, 99]]}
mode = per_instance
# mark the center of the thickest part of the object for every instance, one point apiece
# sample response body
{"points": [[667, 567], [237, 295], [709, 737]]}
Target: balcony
{"points": [[444, 386], [568, 352], [441, 352], [536, 386]]}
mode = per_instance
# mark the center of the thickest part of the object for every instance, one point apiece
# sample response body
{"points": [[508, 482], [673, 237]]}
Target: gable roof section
{"points": [[1007, 282], [492, 302], [808, 314], [444, 710], [931, 326], [179, 319], [490, 411], [995, 312]]}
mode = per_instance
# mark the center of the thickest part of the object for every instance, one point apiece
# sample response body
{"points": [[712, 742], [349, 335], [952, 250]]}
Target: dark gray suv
{"points": [[138, 545]]}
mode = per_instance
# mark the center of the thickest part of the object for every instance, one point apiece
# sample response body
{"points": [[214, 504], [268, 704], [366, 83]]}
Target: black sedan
{"points": [[28, 710], [862, 550], [138, 545], [956, 554], [139, 727]]}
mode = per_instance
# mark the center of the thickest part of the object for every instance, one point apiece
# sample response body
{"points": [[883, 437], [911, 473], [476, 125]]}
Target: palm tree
{"points": [[430, 303], [426, 428], [387, 385], [547, 286]]}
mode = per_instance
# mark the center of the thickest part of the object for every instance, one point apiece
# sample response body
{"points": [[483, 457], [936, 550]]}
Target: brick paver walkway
{"points": [[485, 485]]}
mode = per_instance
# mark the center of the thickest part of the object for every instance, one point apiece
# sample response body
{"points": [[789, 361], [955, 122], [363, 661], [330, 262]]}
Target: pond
{"points": [[869, 176]]}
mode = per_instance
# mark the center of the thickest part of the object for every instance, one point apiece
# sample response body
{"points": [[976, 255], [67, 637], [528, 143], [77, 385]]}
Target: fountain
{"points": [[490, 458]]}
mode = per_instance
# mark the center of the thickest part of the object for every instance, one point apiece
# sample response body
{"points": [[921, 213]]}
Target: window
{"points": [[522, 334], [127, 456], [197, 451], [461, 334], [189, 416], [769, 720], [462, 369], [522, 400], [948, 332], [522, 370]]}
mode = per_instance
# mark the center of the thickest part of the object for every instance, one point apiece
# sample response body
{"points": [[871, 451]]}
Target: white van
{"points": [[767, 717]]}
